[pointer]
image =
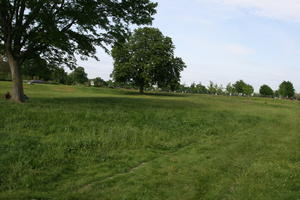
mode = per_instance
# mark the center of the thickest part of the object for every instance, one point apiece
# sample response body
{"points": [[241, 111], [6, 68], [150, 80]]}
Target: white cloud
{"points": [[238, 49], [277, 9]]}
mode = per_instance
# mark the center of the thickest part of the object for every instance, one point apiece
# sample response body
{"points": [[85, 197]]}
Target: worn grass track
{"points": [[89, 143]]}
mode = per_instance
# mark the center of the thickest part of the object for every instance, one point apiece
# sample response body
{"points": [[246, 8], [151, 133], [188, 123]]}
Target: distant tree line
{"points": [[55, 74], [39, 69], [240, 88]]}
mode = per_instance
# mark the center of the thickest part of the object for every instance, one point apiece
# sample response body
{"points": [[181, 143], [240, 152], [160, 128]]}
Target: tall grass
{"points": [[89, 143]]}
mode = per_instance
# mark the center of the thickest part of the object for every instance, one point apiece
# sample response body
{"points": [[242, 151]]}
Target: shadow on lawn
{"points": [[149, 93], [137, 102]]}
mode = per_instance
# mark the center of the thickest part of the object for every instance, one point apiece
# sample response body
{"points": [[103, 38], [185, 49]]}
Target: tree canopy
{"points": [[147, 59], [286, 89], [266, 91], [78, 76], [57, 30], [99, 82], [37, 69], [197, 88], [240, 87], [248, 90], [230, 90]]}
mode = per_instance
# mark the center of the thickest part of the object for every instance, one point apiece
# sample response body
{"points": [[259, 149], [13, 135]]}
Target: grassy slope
{"points": [[88, 143]]}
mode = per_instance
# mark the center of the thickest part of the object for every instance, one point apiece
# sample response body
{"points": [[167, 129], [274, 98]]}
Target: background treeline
{"points": [[240, 88], [39, 69], [55, 74]]}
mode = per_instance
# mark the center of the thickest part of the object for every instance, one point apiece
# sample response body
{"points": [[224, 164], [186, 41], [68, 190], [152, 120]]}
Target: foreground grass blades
{"points": [[89, 143]]}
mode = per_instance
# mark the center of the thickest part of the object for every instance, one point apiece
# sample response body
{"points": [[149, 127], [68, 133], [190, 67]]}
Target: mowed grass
{"points": [[89, 143]]}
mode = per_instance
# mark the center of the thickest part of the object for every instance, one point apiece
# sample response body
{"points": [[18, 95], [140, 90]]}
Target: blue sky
{"points": [[227, 40]]}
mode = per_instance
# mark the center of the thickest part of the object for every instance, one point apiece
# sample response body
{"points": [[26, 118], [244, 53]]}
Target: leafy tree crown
{"points": [[147, 59], [266, 90], [286, 89], [57, 30]]}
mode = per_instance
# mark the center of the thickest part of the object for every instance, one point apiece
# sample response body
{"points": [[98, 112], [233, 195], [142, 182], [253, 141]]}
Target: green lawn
{"points": [[88, 143]]}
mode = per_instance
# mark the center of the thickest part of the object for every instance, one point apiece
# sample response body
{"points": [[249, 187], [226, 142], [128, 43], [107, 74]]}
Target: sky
{"points": [[223, 41]]}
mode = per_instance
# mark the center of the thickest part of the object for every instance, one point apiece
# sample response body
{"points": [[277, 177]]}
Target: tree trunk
{"points": [[141, 89], [17, 90]]}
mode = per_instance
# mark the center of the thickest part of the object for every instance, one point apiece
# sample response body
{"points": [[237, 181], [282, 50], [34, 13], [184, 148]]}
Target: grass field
{"points": [[88, 143]]}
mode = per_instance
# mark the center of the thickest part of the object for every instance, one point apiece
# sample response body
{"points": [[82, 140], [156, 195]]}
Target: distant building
{"points": [[92, 83]]}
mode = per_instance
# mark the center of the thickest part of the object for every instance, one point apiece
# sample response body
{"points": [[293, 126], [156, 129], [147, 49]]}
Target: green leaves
{"points": [[286, 89], [40, 27], [240, 87], [78, 76], [147, 59], [57, 30], [266, 91]]}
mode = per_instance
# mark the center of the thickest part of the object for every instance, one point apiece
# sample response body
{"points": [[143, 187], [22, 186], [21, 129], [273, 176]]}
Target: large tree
{"points": [[266, 91], [78, 76], [248, 90], [57, 30], [99, 82], [147, 59], [286, 89], [230, 90], [59, 75], [240, 87]]}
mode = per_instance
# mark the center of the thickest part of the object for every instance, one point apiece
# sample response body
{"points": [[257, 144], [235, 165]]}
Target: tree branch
{"points": [[68, 26], [18, 26]]}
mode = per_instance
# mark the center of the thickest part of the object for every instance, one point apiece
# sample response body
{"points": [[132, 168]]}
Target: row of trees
{"points": [[239, 88], [79, 76], [39, 69]]}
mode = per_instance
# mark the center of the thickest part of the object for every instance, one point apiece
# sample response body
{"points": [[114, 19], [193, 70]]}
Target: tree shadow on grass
{"points": [[126, 102], [149, 93]]}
